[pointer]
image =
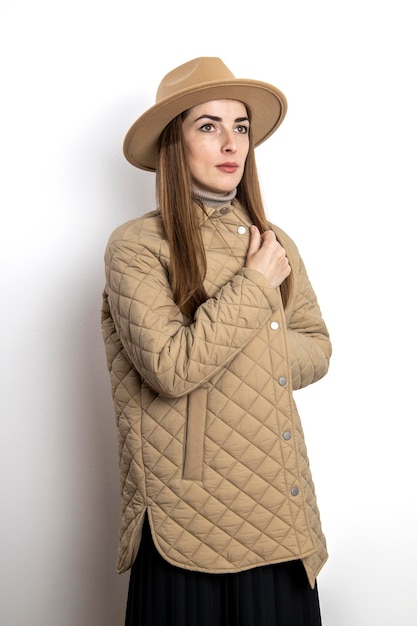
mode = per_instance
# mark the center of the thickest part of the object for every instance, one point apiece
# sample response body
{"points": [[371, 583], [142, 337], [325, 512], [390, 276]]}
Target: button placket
{"points": [[287, 434], [274, 325]]}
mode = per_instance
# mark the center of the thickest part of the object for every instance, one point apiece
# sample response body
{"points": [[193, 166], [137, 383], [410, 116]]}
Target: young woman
{"points": [[210, 323]]}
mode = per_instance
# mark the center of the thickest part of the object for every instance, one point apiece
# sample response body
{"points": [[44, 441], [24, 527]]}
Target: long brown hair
{"points": [[181, 220]]}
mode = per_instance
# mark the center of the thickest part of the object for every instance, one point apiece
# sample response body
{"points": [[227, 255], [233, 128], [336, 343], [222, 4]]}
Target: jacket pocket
{"points": [[194, 435]]}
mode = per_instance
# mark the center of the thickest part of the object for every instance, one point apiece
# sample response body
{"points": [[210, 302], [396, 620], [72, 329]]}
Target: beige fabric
{"points": [[211, 444]]}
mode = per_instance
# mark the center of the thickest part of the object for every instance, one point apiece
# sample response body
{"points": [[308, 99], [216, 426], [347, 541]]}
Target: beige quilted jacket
{"points": [[210, 441]]}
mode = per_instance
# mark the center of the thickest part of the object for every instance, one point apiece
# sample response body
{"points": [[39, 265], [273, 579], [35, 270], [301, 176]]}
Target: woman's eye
{"points": [[242, 129], [207, 127]]}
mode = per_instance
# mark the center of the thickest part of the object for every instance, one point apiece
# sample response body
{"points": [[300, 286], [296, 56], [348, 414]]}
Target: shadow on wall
{"points": [[123, 193], [118, 190], [83, 583], [114, 192]]}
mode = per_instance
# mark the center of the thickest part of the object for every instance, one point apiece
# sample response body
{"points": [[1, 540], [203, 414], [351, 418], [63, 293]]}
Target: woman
{"points": [[210, 322]]}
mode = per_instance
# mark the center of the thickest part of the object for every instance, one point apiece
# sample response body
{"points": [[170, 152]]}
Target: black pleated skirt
{"points": [[161, 594]]}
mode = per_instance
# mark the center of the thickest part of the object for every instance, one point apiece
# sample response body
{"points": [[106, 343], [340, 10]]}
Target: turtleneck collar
{"points": [[214, 200]]}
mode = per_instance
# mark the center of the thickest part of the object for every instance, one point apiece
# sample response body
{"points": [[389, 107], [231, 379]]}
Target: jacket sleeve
{"points": [[309, 344], [173, 354]]}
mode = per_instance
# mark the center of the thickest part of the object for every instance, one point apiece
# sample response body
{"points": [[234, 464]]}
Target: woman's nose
{"points": [[229, 144]]}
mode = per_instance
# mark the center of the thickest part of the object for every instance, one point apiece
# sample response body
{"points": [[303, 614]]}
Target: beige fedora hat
{"points": [[194, 82]]}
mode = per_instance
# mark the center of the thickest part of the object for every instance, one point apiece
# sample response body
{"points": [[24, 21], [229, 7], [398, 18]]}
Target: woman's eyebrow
{"points": [[214, 118]]}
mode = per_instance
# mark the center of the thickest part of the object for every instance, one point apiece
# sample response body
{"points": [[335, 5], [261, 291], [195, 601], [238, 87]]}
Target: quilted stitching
{"points": [[242, 513]]}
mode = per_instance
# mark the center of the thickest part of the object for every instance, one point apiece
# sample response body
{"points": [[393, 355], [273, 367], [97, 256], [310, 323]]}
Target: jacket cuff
{"points": [[272, 294]]}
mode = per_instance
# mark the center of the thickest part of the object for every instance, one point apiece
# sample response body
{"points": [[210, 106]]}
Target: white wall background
{"points": [[339, 176]]}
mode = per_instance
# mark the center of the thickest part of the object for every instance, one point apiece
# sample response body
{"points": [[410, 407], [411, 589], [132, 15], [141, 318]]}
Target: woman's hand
{"points": [[267, 256]]}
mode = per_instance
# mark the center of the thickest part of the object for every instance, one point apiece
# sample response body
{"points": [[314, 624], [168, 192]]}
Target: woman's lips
{"points": [[229, 168]]}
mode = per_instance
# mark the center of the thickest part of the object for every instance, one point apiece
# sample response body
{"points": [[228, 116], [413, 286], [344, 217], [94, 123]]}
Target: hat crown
{"points": [[192, 74]]}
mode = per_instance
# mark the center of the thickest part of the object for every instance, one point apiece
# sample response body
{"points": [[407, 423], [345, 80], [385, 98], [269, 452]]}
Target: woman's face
{"points": [[216, 138]]}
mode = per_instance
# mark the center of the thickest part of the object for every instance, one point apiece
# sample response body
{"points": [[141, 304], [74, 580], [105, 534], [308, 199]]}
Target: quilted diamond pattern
{"points": [[202, 406]]}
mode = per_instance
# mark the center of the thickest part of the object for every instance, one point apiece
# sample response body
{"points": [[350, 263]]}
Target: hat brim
{"points": [[267, 106]]}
